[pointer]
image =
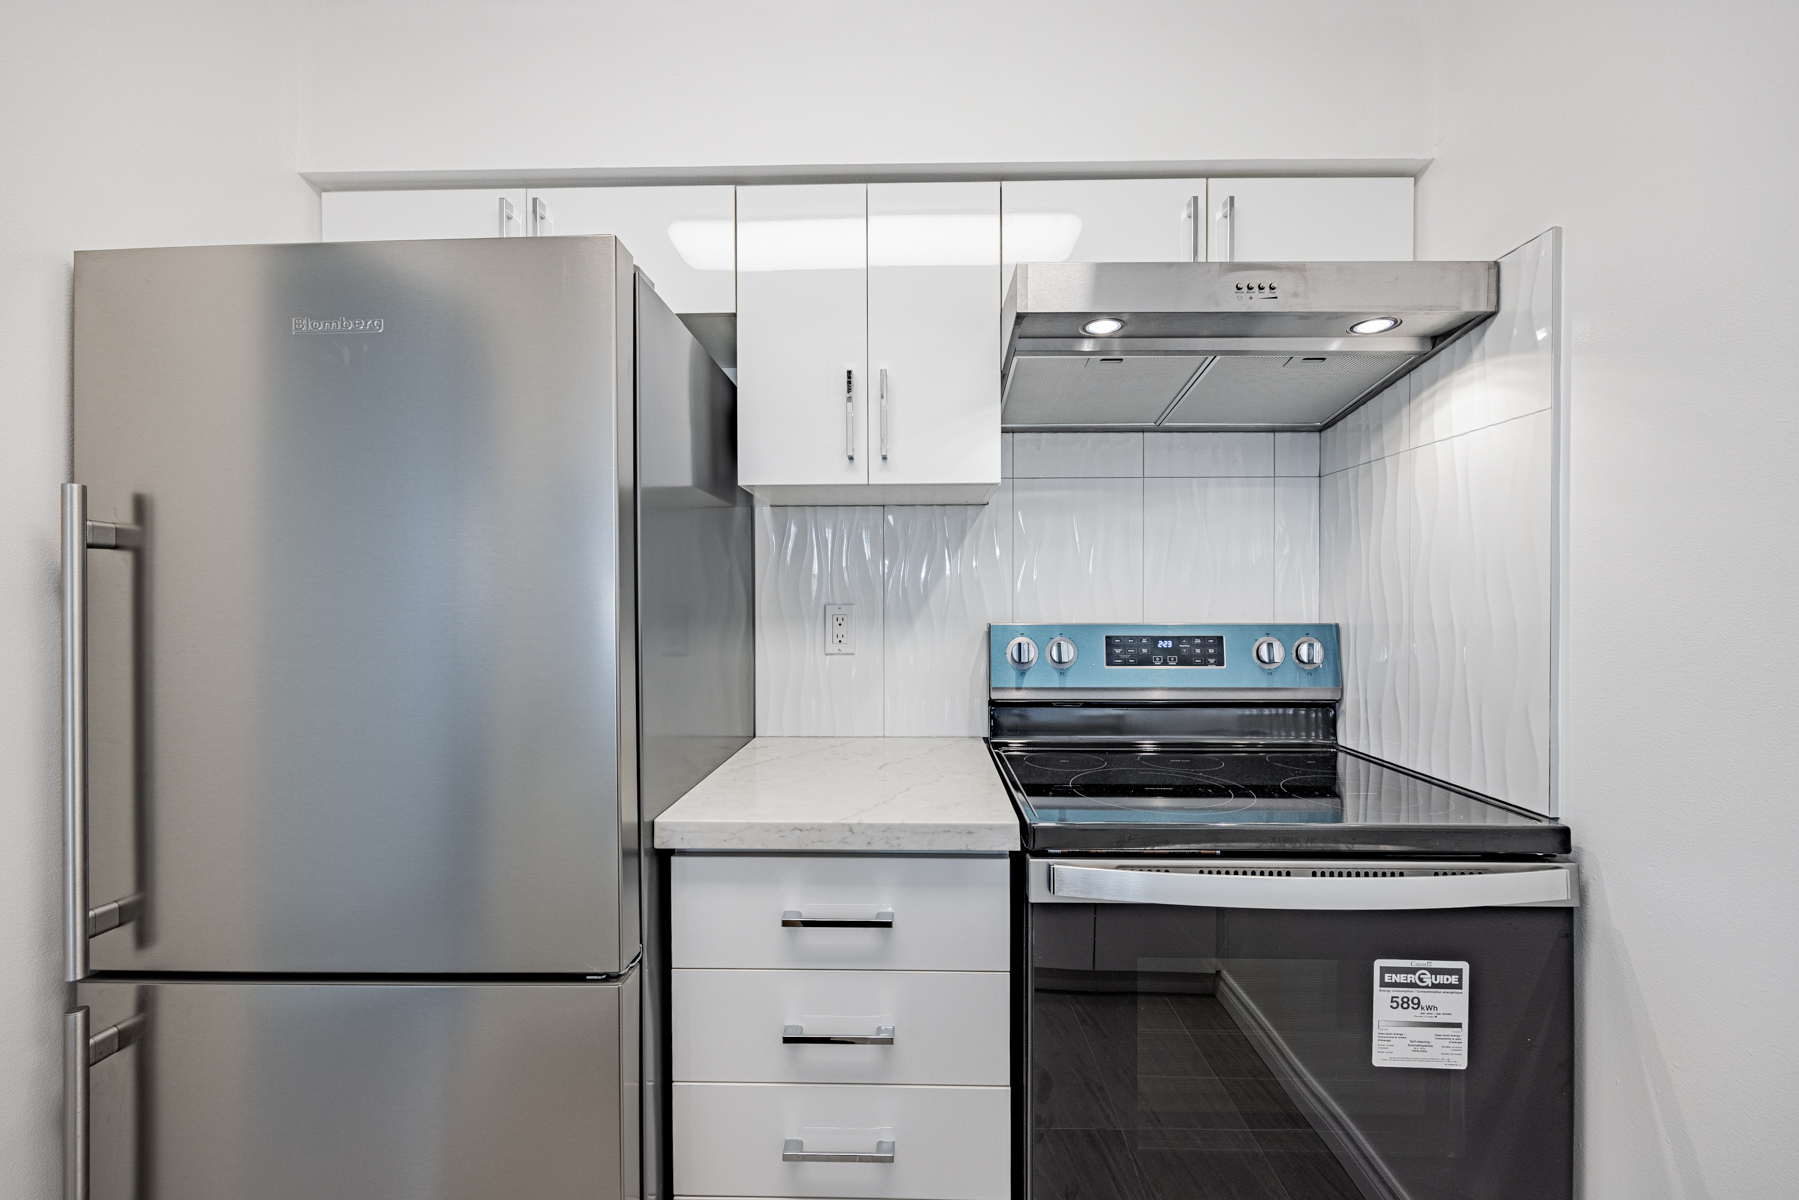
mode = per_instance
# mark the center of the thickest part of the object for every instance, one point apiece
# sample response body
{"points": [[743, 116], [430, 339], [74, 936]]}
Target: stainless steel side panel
{"points": [[290, 1091], [696, 655], [357, 700]]}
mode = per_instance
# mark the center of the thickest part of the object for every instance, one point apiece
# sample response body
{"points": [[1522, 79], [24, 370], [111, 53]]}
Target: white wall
{"points": [[1660, 137], [479, 84], [125, 124]]}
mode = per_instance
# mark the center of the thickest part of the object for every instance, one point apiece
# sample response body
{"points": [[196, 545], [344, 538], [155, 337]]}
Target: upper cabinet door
{"points": [[683, 238], [1310, 220], [404, 216], [802, 336], [933, 333], [1104, 220]]}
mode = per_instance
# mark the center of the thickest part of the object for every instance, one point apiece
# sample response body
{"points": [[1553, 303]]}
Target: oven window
{"points": [[1193, 1052]]}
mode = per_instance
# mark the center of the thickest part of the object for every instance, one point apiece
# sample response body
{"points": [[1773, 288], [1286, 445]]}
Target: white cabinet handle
{"points": [[883, 414], [1227, 229], [796, 1035], [849, 415], [794, 1150], [1196, 229], [1543, 885], [793, 918]]}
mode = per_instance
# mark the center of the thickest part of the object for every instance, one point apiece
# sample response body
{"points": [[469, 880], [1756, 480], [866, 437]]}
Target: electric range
{"points": [[1258, 962]]}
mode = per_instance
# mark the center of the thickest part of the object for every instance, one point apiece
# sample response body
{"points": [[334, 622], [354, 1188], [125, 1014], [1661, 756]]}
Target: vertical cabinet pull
{"points": [[1227, 229], [541, 223], [1196, 229], [849, 415], [508, 219], [883, 414]]}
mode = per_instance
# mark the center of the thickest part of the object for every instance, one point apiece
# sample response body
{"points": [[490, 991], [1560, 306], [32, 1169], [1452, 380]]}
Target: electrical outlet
{"points": [[840, 629]]}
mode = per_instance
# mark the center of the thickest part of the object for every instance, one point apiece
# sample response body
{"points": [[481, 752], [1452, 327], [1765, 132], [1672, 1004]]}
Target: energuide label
{"points": [[1420, 1014]]}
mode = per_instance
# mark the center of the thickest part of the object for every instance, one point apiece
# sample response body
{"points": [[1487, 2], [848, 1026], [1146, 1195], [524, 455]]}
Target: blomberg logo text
{"points": [[338, 325], [1421, 977]]}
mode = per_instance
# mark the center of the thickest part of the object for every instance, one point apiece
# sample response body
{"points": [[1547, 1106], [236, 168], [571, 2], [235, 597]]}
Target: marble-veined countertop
{"points": [[847, 794]]}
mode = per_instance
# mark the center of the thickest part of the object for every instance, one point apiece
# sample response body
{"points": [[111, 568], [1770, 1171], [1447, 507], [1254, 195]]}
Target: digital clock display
{"points": [[1138, 650]]}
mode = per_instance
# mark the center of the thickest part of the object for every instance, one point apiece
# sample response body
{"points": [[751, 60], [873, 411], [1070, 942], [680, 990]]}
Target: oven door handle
{"points": [[1487, 889]]}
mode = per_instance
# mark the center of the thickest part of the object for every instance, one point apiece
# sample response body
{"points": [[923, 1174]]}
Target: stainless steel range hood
{"points": [[1224, 345]]}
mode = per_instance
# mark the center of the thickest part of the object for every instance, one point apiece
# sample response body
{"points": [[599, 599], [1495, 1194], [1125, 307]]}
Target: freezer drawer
{"points": [[854, 911], [946, 1027], [913, 1143], [296, 1091]]}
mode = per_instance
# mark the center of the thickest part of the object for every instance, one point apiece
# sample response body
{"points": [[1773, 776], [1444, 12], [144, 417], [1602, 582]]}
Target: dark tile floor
{"points": [[1161, 1097]]}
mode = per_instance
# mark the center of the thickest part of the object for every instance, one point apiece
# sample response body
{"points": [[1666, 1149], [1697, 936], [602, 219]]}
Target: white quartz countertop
{"points": [[847, 794]]}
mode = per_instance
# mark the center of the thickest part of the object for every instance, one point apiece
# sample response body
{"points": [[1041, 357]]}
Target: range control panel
{"points": [[1043, 661], [1156, 650]]}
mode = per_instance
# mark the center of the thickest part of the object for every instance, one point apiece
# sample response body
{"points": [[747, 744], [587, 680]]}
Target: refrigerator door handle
{"points": [[74, 730], [80, 1051], [74, 1104], [79, 535], [1544, 885]]}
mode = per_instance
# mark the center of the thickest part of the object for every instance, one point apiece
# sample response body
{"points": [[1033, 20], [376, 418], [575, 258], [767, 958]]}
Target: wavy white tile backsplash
{"points": [[1435, 549], [1075, 533], [949, 573], [1077, 549], [807, 558]]}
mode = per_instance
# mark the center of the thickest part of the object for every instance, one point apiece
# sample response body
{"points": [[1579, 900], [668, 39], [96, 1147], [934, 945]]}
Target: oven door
{"points": [[1298, 1029]]}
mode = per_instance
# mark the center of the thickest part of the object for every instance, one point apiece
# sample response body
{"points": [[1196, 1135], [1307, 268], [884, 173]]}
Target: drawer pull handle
{"points": [[794, 1150], [794, 919], [796, 1035]]}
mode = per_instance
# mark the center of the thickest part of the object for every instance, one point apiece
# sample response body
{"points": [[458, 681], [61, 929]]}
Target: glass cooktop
{"points": [[1108, 798]]}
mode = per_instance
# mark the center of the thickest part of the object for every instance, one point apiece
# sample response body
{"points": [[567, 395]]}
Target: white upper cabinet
{"points": [[933, 333], [837, 282], [1104, 220], [404, 216], [1310, 220], [681, 237], [802, 340]]}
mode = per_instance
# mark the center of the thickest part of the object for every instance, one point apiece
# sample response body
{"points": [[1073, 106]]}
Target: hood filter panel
{"points": [[1069, 390], [1293, 390]]}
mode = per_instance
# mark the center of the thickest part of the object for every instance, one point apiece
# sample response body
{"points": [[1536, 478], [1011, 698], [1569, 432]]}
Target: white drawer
{"points": [[948, 1027], [947, 914], [949, 1143]]}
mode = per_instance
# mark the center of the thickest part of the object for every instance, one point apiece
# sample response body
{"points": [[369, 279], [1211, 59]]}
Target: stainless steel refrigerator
{"points": [[405, 583]]}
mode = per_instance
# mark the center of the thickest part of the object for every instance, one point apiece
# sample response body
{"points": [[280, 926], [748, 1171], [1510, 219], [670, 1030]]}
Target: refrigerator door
{"points": [[696, 660], [291, 1091], [358, 700]]}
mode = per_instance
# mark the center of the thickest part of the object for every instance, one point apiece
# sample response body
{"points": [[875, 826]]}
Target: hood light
{"points": [[1106, 326], [1375, 325]]}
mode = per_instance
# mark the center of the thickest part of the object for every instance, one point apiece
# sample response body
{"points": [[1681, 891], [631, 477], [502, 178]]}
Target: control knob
{"points": [[1061, 652], [1308, 652], [1269, 653], [1021, 652]]}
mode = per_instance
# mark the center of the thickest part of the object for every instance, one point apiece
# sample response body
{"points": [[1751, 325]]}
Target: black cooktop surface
{"points": [[1305, 798]]}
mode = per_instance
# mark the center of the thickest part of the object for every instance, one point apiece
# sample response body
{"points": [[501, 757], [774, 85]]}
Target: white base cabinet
{"points": [[853, 1007], [947, 1143], [919, 1027]]}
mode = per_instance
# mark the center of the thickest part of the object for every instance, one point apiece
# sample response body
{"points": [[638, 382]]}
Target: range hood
{"points": [[1232, 345]]}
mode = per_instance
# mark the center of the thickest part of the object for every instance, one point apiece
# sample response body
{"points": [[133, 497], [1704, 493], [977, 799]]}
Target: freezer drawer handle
{"points": [[80, 1051], [79, 535], [1544, 885], [794, 1150], [794, 919], [796, 1035]]}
